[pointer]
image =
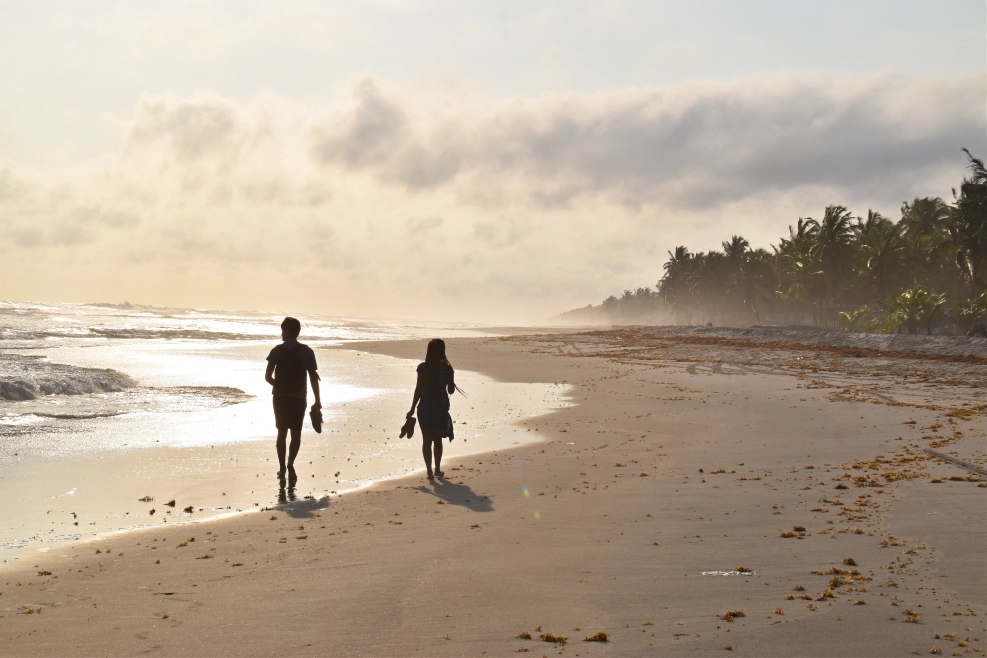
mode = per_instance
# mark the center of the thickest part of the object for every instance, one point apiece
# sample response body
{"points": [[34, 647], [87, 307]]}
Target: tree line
{"points": [[927, 271]]}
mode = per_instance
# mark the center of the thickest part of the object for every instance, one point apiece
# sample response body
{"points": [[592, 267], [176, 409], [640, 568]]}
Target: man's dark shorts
{"points": [[289, 412]]}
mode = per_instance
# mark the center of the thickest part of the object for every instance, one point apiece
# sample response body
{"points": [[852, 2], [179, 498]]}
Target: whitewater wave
{"points": [[12, 334], [80, 416], [221, 395], [174, 334], [53, 414], [29, 378]]}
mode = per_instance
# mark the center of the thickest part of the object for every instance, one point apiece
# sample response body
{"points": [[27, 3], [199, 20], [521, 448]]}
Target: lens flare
{"points": [[526, 494], [537, 515]]}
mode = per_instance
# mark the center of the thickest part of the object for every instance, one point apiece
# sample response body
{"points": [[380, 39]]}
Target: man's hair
{"points": [[291, 327]]}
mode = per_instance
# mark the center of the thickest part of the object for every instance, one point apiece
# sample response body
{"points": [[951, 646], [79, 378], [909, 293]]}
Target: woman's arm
{"points": [[417, 396], [451, 386]]}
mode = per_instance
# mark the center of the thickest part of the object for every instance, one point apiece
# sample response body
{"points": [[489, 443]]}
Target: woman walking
{"points": [[435, 383]]}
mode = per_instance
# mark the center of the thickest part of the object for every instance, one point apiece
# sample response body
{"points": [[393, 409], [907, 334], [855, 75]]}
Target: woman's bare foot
{"points": [[279, 475], [430, 476], [440, 474], [291, 473]]}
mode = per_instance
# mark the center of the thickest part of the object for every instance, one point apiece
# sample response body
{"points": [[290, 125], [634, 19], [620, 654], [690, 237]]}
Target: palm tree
{"points": [[639, 306], [898, 310], [856, 319], [757, 281], [874, 220], [801, 278], [917, 306], [845, 260], [674, 288], [680, 256], [736, 248], [924, 216], [797, 268], [611, 308], [968, 226], [832, 246], [709, 283], [932, 307], [800, 238], [883, 253], [966, 314]]}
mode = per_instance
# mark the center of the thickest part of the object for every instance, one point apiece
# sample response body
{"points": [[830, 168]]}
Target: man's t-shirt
{"points": [[292, 362]]}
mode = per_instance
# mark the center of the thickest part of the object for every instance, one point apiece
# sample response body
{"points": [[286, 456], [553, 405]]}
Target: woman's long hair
{"points": [[435, 356]]}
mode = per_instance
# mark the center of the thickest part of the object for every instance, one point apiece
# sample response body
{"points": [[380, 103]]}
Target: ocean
{"points": [[115, 417]]}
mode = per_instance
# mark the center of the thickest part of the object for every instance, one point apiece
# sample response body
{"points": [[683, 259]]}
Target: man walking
{"points": [[287, 365]]}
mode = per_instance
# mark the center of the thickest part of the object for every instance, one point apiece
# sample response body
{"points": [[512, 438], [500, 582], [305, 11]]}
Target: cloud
{"points": [[191, 129], [414, 206], [377, 135], [693, 145], [218, 152]]}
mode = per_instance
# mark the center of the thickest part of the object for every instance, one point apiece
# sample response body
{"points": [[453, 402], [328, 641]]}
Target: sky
{"points": [[473, 161]]}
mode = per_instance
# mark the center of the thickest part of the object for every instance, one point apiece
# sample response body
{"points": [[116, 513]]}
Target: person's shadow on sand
{"points": [[458, 494], [299, 509]]}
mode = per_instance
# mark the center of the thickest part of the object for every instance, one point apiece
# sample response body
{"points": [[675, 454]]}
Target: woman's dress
{"points": [[433, 407]]}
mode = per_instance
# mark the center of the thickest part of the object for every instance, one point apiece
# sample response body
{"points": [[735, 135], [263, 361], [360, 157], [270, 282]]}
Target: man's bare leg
{"points": [[296, 443], [282, 435]]}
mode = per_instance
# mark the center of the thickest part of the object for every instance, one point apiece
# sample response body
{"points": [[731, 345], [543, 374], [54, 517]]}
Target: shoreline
{"points": [[659, 471], [237, 463]]}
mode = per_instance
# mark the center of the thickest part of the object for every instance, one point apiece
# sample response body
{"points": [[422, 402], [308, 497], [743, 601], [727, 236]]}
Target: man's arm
{"points": [[313, 377], [269, 375]]}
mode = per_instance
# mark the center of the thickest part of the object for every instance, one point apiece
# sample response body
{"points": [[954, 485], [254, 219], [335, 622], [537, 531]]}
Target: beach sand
{"points": [[678, 458]]}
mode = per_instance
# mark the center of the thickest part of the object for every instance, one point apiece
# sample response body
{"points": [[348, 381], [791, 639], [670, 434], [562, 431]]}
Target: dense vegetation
{"points": [[926, 271]]}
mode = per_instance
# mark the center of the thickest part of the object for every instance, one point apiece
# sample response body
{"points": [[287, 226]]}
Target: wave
{"points": [[23, 416], [175, 310], [224, 395], [25, 420], [10, 334], [172, 334], [25, 378], [81, 416]]}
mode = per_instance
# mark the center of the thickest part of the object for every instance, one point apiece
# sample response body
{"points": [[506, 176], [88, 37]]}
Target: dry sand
{"points": [[679, 457]]}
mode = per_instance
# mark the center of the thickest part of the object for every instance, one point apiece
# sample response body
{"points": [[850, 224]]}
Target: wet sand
{"points": [[222, 461], [679, 458]]}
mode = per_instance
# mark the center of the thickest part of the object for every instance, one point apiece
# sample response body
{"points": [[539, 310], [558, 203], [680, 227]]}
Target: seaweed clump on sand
{"points": [[552, 637]]}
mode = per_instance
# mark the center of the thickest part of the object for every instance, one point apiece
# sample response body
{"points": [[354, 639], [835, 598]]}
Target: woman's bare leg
{"points": [[428, 438], [437, 449]]}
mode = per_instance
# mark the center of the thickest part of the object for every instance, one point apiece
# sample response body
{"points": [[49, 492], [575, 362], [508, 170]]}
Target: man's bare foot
{"points": [[279, 475]]}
